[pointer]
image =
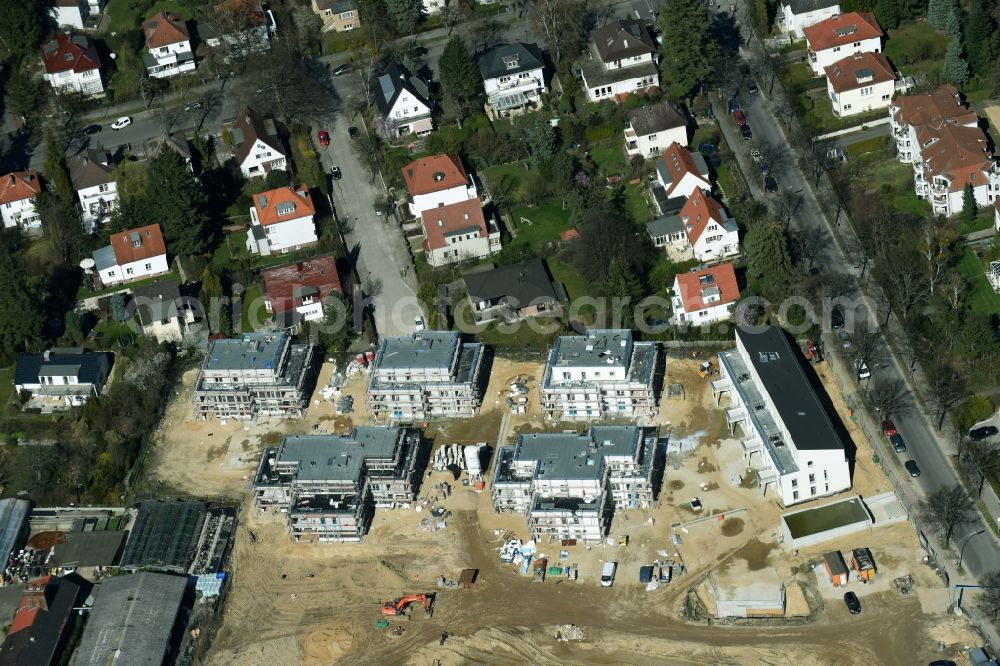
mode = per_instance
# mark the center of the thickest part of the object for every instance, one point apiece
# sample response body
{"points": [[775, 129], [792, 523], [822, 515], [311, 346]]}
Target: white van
{"points": [[608, 574]]}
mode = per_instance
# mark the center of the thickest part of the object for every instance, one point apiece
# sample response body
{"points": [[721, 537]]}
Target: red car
{"points": [[741, 118], [888, 428], [324, 138]]}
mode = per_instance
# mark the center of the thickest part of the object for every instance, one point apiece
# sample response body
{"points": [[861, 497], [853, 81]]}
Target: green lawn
{"points": [[122, 18], [873, 145], [610, 158], [576, 285], [252, 297], [519, 334], [915, 46], [816, 113], [985, 219], [636, 206], [981, 297], [547, 221], [108, 333], [84, 292], [515, 171], [799, 77]]}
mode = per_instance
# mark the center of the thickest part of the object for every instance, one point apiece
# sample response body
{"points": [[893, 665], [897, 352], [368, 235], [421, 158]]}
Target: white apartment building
{"points": [[513, 78], [404, 103], [168, 46], [569, 485], [93, 179], [706, 296], [72, 65], [653, 128], [281, 220], [797, 15], [603, 373], [18, 190], [840, 36], [430, 374], [909, 113], [458, 232], [859, 83], [780, 418], [621, 59], [134, 254], [438, 180]]}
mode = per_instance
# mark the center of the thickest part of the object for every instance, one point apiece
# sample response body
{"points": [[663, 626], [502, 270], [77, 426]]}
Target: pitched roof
{"points": [[393, 81], [655, 118], [517, 285], [158, 301], [90, 366], [90, 169], [664, 226], [622, 38], [942, 103], [42, 621], [286, 286], [138, 244], [841, 30], [174, 142], [859, 70], [806, 6], [694, 287], [508, 59], [434, 173], [677, 162], [164, 28], [18, 185], [700, 209], [65, 53], [957, 153], [247, 128], [457, 218], [283, 204]]}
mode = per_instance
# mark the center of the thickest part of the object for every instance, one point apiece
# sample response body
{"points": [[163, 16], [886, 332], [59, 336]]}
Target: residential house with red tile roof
{"points": [[909, 113], [705, 296], [840, 36], [168, 44], [134, 254], [620, 59], [256, 144], [437, 180], [73, 65], [458, 231], [860, 82], [710, 231], [951, 157], [681, 172], [18, 190], [299, 291], [281, 220]]}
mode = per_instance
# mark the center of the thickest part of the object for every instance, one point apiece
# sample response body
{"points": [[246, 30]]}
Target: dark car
{"points": [[733, 105], [888, 428], [837, 317], [192, 106], [912, 468], [985, 432], [741, 118], [751, 87], [335, 172], [898, 445], [90, 130], [342, 69], [852, 602], [745, 132], [353, 132], [770, 185]]}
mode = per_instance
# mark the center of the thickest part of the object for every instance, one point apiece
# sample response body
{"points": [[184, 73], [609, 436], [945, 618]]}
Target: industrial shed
{"points": [[164, 536]]}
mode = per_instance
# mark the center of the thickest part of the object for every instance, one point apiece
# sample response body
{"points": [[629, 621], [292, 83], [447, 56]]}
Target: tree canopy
{"points": [[689, 48], [769, 265], [461, 83]]}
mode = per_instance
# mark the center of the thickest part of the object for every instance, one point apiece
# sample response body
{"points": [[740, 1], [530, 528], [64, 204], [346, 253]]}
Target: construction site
{"points": [[437, 580]]}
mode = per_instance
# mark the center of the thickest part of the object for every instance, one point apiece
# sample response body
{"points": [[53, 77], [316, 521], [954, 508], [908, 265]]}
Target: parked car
{"points": [[418, 323], [852, 602], [324, 138], [353, 132], [912, 468], [863, 371], [751, 86], [888, 428], [770, 185], [192, 106], [335, 172], [755, 155], [898, 445], [733, 105], [91, 130], [984, 432], [121, 123], [343, 69], [745, 132], [845, 339], [741, 118], [608, 574]]}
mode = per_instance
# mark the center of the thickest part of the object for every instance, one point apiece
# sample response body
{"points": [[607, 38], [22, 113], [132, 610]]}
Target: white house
{"points": [[681, 173], [799, 14], [281, 220], [168, 46], [457, 232], [909, 113], [93, 179], [18, 190], [404, 103], [652, 128], [951, 157], [710, 231], [705, 296], [513, 78], [70, 13], [256, 144], [780, 418], [621, 59], [134, 254], [299, 291], [163, 313], [842, 35], [860, 82], [72, 65], [438, 180], [62, 375], [241, 25]]}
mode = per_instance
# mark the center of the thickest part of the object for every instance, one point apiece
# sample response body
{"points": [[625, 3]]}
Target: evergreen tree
{"points": [[20, 310], [980, 38], [955, 69], [953, 22], [938, 12], [180, 205], [22, 25], [540, 136], [689, 48], [461, 83], [23, 93], [55, 170], [969, 207], [887, 13], [769, 265], [404, 14], [623, 283]]}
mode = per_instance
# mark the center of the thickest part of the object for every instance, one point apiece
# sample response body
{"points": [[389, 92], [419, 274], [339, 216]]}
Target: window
{"points": [[809, 464], [795, 495], [347, 15], [867, 90], [795, 483], [111, 274], [504, 79], [148, 267], [836, 49], [103, 187], [129, 271], [136, 243], [856, 44], [847, 107], [825, 477], [812, 478], [652, 137]]}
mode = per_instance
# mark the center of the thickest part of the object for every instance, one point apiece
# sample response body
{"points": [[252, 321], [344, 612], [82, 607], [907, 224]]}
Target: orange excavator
{"points": [[398, 607]]}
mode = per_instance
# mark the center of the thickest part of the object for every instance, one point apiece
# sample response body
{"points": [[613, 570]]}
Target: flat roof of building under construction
{"points": [[337, 457], [250, 351], [423, 349], [574, 456], [604, 346]]}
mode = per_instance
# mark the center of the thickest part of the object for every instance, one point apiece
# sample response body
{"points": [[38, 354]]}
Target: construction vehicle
{"points": [[707, 370], [397, 607]]}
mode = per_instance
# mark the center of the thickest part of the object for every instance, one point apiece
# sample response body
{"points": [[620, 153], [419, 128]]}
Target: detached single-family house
{"points": [[860, 82], [513, 77], [18, 190], [337, 15], [681, 173], [256, 144], [710, 231], [909, 113], [438, 180], [134, 254], [842, 35], [403, 102], [73, 65], [281, 220], [67, 375], [797, 15], [241, 26], [174, 142], [513, 292], [168, 44], [621, 59], [458, 231], [705, 296], [652, 128], [299, 291], [93, 179], [163, 312], [69, 13]]}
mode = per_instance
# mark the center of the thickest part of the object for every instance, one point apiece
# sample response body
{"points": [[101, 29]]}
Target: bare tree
{"points": [[890, 396], [935, 248], [903, 285], [242, 31], [365, 59], [869, 348], [945, 387], [980, 462], [954, 290], [806, 247], [482, 34], [947, 508], [290, 86], [989, 598], [563, 22]]}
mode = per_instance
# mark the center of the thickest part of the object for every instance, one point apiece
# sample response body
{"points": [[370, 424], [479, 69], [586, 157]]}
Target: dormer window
{"points": [[68, 57], [136, 243], [286, 208], [510, 62]]}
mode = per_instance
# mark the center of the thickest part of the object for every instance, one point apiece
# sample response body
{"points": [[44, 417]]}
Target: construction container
{"points": [[836, 568]]}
